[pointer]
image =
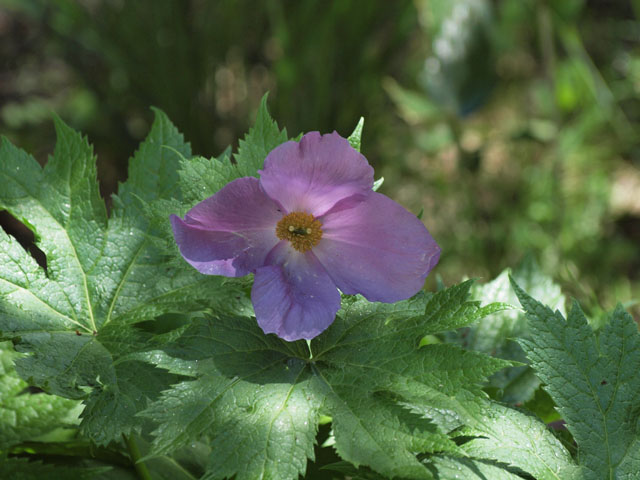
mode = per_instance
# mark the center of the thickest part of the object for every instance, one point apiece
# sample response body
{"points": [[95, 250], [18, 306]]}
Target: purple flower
{"points": [[309, 226]]}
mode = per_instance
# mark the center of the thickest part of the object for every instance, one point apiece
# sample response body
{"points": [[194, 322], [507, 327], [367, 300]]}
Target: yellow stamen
{"points": [[303, 230]]}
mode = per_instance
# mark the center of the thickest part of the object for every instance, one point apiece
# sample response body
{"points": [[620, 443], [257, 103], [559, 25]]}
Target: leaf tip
{"points": [[355, 139]]}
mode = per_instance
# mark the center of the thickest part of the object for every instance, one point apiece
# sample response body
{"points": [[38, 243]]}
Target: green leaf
{"points": [[26, 416], [355, 139], [256, 392], [521, 441], [497, 330], [102, 275], [152, 171], [469, 469], [347, 470], [259, 399], [261, 139], [61, 200], [200, 177], [451, 308], [594, 382], [497, 333]]}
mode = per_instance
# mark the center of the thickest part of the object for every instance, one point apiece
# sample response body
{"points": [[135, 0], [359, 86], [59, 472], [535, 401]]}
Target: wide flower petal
{"points": [[231, 232], [377, 249], [294, 298], [313, 175]]}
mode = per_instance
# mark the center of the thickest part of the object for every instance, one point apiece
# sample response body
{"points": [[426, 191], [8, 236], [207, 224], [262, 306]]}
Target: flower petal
{"points": [[313, 175], [377, 249], [294, 298], [231, 232]]}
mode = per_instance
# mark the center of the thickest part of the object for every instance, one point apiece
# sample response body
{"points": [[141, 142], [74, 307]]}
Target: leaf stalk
{"points": [[134, 453]]}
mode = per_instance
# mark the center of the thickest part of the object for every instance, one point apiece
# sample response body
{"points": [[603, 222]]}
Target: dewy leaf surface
{"points": [[258, 398], [103, 274], [594, 382]]}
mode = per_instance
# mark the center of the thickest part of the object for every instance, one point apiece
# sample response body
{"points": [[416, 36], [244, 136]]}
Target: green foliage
{"points": [[593, 379], [498, 329], [200, 178], [102, 276], [172, 366], [496, 334], [465, 468], [513, 438], [547, 166], [27, 416], [203, 66], [259, 398], [23, 469], [263, 137], [355, 139], [441, 467]]}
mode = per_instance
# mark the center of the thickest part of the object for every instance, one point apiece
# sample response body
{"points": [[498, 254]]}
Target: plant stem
{"points": [[134, 453], [310, 351]]}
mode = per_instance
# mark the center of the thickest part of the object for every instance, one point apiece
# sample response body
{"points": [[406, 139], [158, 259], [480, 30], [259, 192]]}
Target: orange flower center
{"points": [[303, 230]]}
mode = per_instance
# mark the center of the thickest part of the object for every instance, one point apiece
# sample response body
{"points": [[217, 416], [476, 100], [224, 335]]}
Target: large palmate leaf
{"points": [[258, 398], [102, 275], [593, 379]]}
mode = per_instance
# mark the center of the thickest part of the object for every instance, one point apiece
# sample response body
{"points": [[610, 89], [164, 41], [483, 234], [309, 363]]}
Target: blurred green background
{"points": [[514, 124]]}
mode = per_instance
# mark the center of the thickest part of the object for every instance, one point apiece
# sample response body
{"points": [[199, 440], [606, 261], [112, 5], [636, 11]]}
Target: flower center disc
{"points": [[303, 230]]}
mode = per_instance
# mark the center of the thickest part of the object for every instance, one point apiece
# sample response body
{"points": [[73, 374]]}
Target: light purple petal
{"points": [[377, 249], [208, 252], [315, 174], [231, 232], [294, 298]]}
